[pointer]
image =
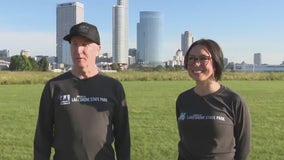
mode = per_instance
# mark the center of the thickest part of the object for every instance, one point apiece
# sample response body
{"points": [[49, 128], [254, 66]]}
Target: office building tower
{"points": [[186, 41], [132, 56], [257, 59], [149, 38], [67, 15], [4, 54], [225, 62], [120, 32]]}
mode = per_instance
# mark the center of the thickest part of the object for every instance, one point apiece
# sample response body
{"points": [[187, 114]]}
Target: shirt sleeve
{"points": [[121, 126], [178, 104], [44, 129], [242, 131]]}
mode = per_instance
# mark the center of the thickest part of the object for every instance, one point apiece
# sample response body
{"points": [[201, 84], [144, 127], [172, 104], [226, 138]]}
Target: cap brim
{"points": [[67, 37]]}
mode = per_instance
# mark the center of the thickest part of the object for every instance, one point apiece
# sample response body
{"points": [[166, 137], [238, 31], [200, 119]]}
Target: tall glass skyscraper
{"points": [[186, 41], [149, 38], [120, 32], [67, 15]]}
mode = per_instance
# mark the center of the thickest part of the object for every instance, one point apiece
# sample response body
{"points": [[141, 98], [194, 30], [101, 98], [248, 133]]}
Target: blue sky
{"points": [[241, 27]]}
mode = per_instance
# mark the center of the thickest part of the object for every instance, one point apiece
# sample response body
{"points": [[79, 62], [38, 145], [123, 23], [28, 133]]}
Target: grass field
{"points": [[152, 118]]}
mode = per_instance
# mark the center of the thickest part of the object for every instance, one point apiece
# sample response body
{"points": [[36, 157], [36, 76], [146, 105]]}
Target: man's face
{"points": [[83, 52]]}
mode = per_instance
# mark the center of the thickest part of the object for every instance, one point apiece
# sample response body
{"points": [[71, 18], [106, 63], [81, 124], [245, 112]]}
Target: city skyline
{"points": [[242, 28]]}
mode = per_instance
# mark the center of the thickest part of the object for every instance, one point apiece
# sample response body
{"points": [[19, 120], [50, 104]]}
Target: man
{"points": [[82, 112]]}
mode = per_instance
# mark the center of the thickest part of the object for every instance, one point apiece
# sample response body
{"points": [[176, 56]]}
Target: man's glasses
{"points": [[203, 60]]}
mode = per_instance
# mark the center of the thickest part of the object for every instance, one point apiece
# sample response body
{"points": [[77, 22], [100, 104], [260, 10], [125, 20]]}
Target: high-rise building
{"points": [[120, 32], [186, 41], [257, 59], [4, 54], [225, 61], [67, 15], [149, 38], [132, 56]]}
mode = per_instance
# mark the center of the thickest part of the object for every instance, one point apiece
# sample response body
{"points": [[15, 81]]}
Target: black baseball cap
{"points": [[86, 30]]}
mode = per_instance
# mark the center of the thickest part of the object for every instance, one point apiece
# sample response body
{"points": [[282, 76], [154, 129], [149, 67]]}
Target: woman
{"points": [[213, 121]]}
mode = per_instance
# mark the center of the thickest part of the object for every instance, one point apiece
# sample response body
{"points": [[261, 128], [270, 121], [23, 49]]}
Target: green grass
{"points": [[18, 111], [265, 100], [8, 77], [152, 118]]}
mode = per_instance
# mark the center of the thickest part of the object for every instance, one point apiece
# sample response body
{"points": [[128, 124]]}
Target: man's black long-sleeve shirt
{"points": [[81, 119]]}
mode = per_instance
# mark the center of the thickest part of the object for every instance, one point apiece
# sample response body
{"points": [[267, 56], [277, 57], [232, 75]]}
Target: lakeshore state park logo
{"points": [[66, 99]]}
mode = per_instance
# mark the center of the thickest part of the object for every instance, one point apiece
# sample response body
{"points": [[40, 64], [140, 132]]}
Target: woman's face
{"points": [[200, 64]]}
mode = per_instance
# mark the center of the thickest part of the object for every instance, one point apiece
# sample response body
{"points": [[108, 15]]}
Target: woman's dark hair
{"points": [[215, 52]]}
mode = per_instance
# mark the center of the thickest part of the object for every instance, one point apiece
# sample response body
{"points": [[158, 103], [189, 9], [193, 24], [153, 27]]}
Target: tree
{"points": [[34, 63], [20, 63], [115, 66], [159, 68], [43, 64]]}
